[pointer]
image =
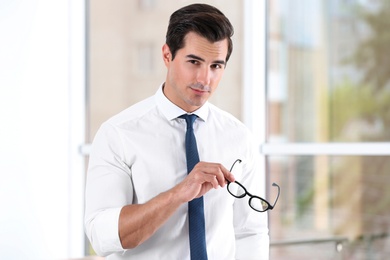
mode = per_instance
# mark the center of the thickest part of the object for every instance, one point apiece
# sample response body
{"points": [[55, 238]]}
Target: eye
{"points": [[195, 62], [217, 66]]}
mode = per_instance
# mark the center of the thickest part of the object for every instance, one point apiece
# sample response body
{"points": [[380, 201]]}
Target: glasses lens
{"points": [[236, 190], [258, 204]]}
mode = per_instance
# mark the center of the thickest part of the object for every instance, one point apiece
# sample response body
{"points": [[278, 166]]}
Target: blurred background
{"points": [[310, 78]]}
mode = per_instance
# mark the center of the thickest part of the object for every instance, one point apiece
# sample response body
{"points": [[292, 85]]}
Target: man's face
{"points": [[194, 74]]}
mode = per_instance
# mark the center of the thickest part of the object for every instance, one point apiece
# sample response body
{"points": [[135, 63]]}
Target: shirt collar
{"points": [[172, 111]]}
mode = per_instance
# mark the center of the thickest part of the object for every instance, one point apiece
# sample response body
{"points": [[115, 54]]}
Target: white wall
{"points": [[41, 125]]}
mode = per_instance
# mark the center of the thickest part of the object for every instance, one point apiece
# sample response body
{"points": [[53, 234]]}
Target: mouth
{"points": [[200, 90]]}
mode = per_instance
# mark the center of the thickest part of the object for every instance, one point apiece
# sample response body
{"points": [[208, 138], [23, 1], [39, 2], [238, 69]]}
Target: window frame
{"points": [[255, 100]]}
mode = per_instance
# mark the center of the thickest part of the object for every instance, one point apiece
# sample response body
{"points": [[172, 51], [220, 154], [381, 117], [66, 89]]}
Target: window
{"points": [[328, 97]]}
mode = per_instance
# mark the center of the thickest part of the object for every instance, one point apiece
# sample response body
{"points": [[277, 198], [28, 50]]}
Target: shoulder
{"points": [[133, 113], [224, 118], [129, 121], [225, 124]]}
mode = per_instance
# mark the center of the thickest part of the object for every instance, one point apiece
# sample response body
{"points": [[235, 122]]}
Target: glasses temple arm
{"points": [[238, 160], [276, 200]]}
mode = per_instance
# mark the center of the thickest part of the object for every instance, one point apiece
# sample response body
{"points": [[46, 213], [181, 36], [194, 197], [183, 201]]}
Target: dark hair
{"points": [[203, 19]]}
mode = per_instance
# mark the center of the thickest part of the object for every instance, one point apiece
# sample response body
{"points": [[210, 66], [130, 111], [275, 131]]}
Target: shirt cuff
{"points": [[104, 232]]}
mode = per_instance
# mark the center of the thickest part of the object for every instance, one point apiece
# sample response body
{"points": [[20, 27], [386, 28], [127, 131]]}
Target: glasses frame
{"points": [[270, 207]]}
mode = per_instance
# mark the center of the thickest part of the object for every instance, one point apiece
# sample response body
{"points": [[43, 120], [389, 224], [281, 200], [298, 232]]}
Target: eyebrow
{"points": [[192, 56]]}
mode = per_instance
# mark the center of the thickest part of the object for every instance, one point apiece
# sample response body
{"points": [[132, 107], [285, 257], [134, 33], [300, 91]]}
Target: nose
{"points": [[204, 76]]}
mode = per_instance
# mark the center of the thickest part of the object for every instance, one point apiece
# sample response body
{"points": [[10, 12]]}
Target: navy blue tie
{"points": [[195, 206]]}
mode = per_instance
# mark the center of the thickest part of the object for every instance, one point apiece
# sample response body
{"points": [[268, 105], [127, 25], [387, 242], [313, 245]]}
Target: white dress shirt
{"points": [[140, 153]]}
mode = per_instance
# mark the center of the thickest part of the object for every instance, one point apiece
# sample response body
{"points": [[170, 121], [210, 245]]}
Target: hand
{"points": [[203, 178]]}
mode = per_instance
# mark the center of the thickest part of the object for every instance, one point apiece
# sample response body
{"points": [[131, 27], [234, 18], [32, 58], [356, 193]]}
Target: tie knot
{"points": [[190, 119]]}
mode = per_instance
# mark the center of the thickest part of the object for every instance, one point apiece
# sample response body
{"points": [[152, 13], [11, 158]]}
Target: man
{"points": [[140, 185]]}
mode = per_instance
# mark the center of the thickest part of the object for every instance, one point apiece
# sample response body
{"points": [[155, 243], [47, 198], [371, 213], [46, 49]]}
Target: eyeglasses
{"points": [[257, 203]]}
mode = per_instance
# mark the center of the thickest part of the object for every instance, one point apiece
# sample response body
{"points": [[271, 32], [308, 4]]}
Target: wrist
{"points": [[176, 196]]}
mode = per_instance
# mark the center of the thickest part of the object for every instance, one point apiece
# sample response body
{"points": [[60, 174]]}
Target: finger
{"points": [[218, 170], [211, 179], [223, 175], [208, 173], [227, 174], [220, 176], [212, 173]]}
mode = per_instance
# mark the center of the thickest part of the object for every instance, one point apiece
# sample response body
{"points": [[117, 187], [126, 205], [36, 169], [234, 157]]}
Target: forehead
{"points": [[200, 46]]}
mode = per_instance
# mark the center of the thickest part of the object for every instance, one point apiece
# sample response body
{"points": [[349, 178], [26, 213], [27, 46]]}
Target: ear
{"points": [[166, 53]]}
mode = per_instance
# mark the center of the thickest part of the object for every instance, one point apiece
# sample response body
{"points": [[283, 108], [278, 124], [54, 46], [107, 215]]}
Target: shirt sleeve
{"points": [[251, 227], [108, 189]]}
